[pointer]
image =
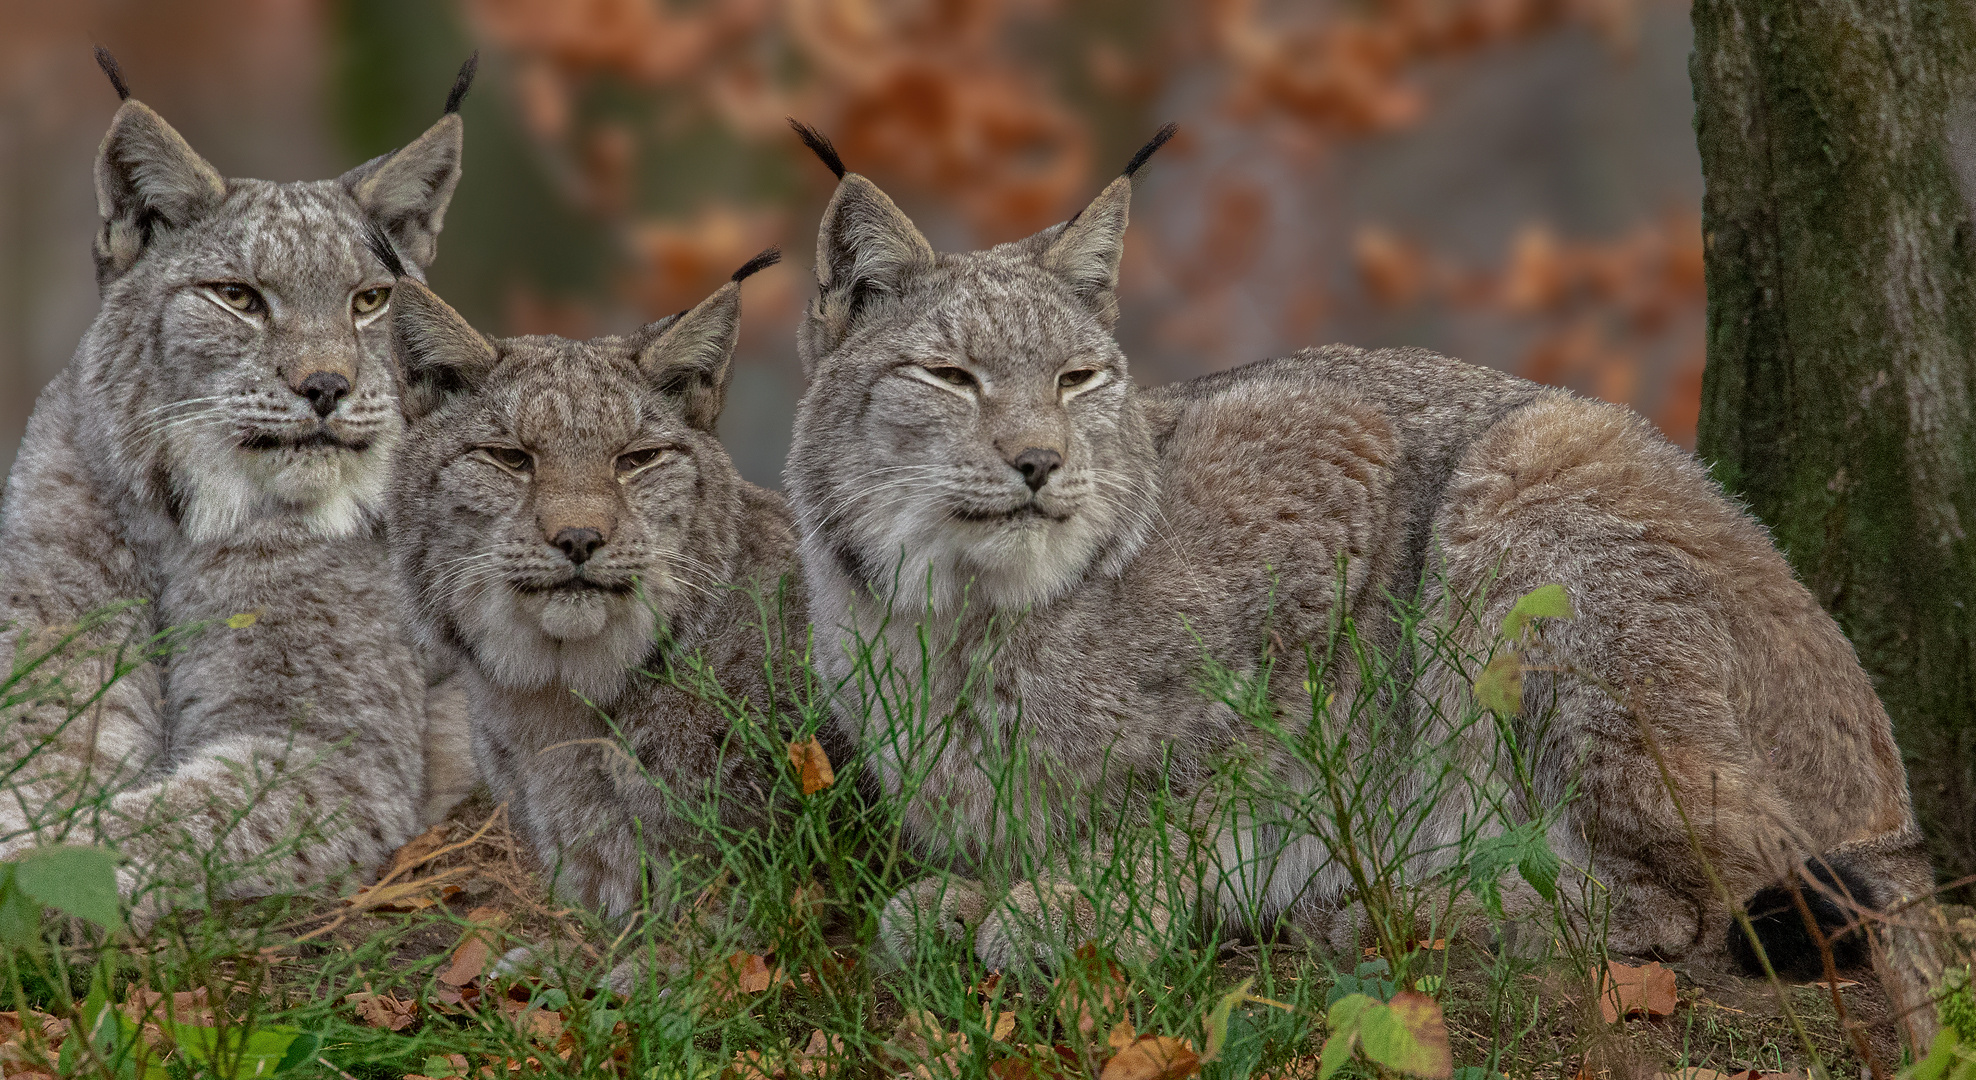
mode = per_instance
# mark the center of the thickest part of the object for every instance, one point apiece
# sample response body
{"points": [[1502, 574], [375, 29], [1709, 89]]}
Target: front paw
{"points": [[941, 908], [1041, 922]]}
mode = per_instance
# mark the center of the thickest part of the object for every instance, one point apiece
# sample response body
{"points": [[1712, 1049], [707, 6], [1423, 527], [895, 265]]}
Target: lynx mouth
{"points": [[1028, 511], [320, 438], [574, 585]]}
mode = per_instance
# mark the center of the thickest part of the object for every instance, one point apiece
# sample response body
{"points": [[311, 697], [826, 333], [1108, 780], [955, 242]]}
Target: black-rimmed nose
{"points": [[1036, 464], [579, 544], [325, 391]]}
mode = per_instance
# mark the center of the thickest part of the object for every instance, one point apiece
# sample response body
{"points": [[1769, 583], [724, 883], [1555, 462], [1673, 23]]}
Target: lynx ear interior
{"points": [[691, 355], [439, 354], [147, 176], [1087, 252], [407, 192], [865, 248]]}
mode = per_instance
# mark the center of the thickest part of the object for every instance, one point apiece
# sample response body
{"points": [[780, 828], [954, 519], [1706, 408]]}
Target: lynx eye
{"points": [[951, 375], [239, 297], [369, 300], [632, 462], [1071, 380], [508, 457]]}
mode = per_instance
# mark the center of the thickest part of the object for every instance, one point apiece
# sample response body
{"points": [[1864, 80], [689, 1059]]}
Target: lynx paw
{"points": [[1041, 920], [945, 908]]}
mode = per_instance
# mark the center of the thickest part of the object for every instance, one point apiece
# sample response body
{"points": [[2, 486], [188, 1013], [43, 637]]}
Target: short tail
{"points": [[1835, 894]]}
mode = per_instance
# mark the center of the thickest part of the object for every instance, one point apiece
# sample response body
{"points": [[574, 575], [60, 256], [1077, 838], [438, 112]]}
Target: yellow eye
{"points": [[1071, 380], [369, 300], [632, 461], [951, 375], [509, 458], [237, 296]]}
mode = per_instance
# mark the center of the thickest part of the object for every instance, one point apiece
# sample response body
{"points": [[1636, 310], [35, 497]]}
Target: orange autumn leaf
{"points": [[1628, 991], [1152, 1057], [812, 765], [469, 963]]}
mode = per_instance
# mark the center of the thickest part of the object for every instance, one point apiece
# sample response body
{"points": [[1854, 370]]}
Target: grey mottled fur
{"points": [[615, 435], [1210, 517], [171, 463]]}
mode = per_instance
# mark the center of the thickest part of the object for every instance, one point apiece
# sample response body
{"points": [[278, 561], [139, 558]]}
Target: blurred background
{"points": [[1511, 181]]}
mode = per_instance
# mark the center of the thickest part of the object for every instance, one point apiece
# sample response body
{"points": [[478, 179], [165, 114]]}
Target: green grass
{"points": [[803, 897]]}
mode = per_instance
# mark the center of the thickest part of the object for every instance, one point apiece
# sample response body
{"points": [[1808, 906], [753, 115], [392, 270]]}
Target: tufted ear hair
{"points": [[437, 353], [1088, 248], [691, 355], [866, 248], [147, 178], [407, 192]]}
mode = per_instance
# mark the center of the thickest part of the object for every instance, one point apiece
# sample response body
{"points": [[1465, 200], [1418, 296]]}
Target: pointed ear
{"points": [[866, 249], [691, 355], [1087, 250], [407, 192], [147, 177], [437, 353]]}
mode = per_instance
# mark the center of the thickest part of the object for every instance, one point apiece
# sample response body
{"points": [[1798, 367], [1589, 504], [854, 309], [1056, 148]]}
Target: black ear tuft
{"points": [[757, 264], [380, 246], [463, 82], [109, 65], [819, 146], [1160, 139]]}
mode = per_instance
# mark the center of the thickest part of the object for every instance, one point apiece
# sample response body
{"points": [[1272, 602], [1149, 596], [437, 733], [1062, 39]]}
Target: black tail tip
{"points": [[380, 246], [757, 264], [819, 146], [109, 65], [1160, 138], [1788, 943], [462, 83]]}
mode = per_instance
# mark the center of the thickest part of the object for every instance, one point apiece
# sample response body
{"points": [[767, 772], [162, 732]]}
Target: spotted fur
{"points": [[179, 461], [1210, 519]]}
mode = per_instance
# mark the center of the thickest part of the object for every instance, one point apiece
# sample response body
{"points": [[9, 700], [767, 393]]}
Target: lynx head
{"points": [[558, 504], [242, 352], [970, 432]]}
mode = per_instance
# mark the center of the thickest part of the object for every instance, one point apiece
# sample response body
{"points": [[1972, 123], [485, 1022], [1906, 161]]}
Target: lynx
{"points": [[218, 450], [566, 521], [973, 464]]}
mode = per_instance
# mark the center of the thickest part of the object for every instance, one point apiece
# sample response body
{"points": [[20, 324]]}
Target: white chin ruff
{"points": [[1008, 568], [584, 642], [330, 492]]}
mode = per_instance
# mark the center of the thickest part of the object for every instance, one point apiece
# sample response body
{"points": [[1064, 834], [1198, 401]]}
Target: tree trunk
{"points": [[1842, 341]]}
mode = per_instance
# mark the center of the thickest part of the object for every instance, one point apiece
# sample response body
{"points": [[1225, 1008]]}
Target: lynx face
{"points": [[969, 428], [245, 353], [557, 503]]}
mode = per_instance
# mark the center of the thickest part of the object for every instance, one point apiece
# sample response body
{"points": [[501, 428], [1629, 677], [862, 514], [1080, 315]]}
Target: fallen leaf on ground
{"points": [[1420, 1016], [750, 973], [1121, 1036], [469, 963], [401, 897], [418, 849], [1093, 992], [812, 765], [821, 1054], [1152, 1057], [1038, 1062], [1628, 990], [382, 1010]]}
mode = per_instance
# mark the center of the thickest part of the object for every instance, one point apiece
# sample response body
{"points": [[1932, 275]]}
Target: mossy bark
{"points": [[1842, 341]]}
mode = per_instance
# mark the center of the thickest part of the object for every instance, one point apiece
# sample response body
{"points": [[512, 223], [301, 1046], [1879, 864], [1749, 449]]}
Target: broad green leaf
{"points": [[303, 1050], [1217, 1023], [1539, 866], [1346, 1012], [225, 1052], [1941, 1054], [1500, 686], [20, 917], [1408, 1035], [1429, 984], [1337, 1050], [81, 881], [1542, 602]]}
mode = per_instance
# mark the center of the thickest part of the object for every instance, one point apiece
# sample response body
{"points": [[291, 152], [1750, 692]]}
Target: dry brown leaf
{"points": [[822, 1054], [469, 963], [489, 916], [187, 1006], [417, 850], [1000, 1025], [383, 1010], [812, 765], [751, 973], [1628, 990], [751, 1065], [1093, 994], [1121, 1036], [400, 897], [1038, 1061], [1153, 1057]]}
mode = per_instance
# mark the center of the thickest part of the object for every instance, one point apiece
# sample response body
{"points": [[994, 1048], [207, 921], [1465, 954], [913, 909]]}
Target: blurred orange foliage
{"points": [[997, 110]]}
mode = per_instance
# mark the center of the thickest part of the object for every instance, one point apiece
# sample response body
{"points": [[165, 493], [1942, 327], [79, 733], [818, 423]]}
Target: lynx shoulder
{"points": [[215, 455], [1016, 495], [568, 524]]}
